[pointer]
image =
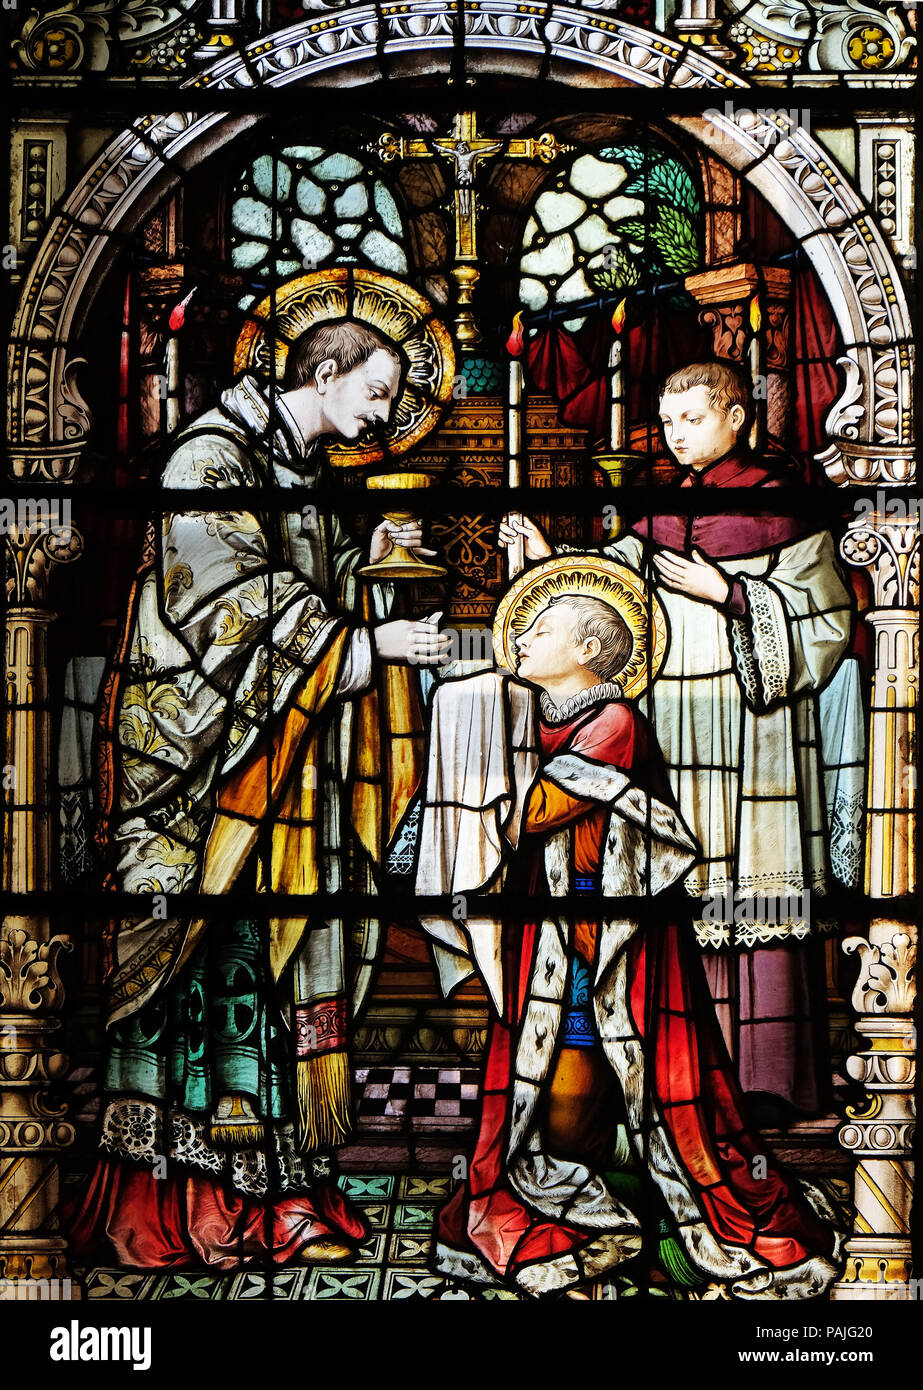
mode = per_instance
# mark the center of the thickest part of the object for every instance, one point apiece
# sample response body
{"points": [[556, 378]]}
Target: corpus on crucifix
{"points": [[467, 148]]}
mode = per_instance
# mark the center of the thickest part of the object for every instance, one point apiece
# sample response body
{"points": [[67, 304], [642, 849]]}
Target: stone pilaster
{"points": [[32, 1131], [880, 1133]]}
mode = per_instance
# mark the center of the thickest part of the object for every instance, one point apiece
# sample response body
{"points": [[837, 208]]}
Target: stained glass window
{"points": [[316, 207], [613, 219], [461, 613]]}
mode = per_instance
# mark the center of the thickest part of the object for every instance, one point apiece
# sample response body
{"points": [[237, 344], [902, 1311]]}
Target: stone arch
{"points": [[870, 424]]}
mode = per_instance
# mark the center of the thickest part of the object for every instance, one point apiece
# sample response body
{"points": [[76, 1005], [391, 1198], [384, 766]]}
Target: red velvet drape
{"points": [[572, 367], [815, 343]]}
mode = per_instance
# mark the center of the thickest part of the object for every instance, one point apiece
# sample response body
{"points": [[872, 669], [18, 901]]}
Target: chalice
{"points": [[400, 563]]}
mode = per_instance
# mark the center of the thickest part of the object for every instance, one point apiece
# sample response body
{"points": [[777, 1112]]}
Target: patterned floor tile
{"points": [[117, 1284], [377, 1214], [412, 1187], [414, 1215], [409, 1249], [357, 1186], [360, 1285], [190, 1286], [372, 1251], [250, 1284], [413, 1283]]}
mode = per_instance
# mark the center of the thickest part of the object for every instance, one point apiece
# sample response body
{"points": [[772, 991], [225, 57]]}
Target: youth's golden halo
{"points": [[399, 314], [604, 579]]}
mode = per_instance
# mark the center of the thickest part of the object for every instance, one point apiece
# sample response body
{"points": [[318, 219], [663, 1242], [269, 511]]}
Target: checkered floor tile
{"points": [[416, 1100]]}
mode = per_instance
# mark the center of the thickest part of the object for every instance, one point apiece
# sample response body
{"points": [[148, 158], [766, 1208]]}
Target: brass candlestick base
{"points": [[401, 563], [617, 467]]}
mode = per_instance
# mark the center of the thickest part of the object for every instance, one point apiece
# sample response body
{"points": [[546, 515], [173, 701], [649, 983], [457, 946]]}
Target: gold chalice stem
{"points": [[400, 563]]}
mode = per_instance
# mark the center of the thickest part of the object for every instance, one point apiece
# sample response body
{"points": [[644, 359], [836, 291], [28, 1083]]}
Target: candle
{"points": [[516, 559], [171, 375], [171, 362], [755, 365], [616, 385], [514, 425], [122, 427]]}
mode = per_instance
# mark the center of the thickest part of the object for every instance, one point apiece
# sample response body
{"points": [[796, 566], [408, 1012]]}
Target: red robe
{"points": [[488, 1230]]}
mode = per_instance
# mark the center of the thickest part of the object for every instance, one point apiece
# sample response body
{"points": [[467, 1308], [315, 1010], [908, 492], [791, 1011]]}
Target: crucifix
{"points": [[467, 148]]}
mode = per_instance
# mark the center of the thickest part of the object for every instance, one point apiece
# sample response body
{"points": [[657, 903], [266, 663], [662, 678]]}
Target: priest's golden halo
{"points": [[399, 314], [604, 579]]}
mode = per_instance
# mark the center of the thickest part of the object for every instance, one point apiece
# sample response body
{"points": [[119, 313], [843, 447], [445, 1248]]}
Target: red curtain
{"points": [[572, 367], [816, 347]]}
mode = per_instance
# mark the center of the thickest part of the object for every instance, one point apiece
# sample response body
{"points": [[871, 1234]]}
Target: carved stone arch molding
{"points": [[870, 423]]}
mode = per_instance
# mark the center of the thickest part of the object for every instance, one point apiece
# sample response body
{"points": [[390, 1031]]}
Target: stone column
{"points": [[32, 1132], [699, 22], [880, 1133], [226, 24]]}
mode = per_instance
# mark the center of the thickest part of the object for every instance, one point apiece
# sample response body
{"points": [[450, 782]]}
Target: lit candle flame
{"points": [[178, 314], [516, 340], [618, 318], [755, 316]]}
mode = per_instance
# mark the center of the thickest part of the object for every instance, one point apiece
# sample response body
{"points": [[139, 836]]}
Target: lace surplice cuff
{"points": [[760, 645]]}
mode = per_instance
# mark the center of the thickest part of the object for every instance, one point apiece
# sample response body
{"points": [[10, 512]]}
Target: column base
{"points": [[878, 1269], [35, 1270]]}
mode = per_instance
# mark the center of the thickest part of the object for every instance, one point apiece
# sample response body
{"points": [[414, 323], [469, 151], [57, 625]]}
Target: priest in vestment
{"points": [[612, 1131], [249, 715], [759, 721]]}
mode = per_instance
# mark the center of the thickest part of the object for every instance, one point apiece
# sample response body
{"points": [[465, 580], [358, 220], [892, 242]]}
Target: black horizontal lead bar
{"points": [[833, 97], [76, 901], [147, 500]]}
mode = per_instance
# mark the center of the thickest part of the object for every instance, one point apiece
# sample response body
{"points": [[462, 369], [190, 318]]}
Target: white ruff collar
{"points": [[596, 694]]}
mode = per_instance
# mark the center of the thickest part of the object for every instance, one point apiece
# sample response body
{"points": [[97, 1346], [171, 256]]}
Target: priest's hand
{"points": [[514, 525], [695, 578], [415, 643], [387, 535]]}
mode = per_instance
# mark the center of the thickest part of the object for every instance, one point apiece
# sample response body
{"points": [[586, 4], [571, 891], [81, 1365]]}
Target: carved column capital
{"points": [[33, 554], [29, 978], [887, 983], [888, 546]]}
